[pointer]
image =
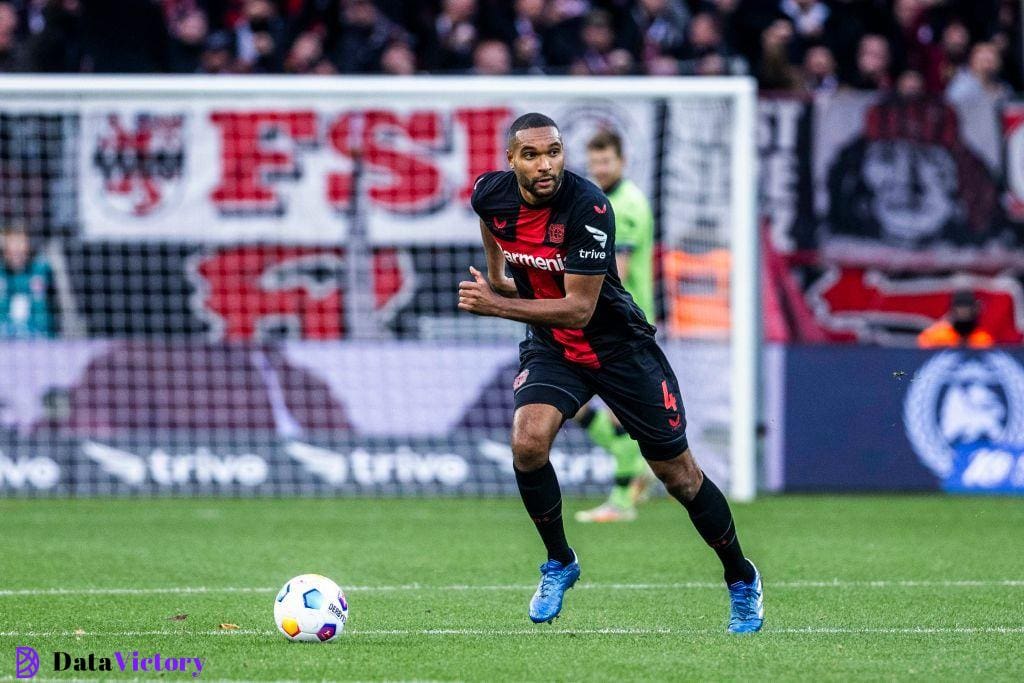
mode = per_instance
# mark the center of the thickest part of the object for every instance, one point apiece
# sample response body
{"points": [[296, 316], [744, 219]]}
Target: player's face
{"points": [[538, 161], [605, 167]]}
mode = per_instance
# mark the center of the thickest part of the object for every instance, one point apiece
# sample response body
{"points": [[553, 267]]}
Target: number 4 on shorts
{"points": [[670, 398]]}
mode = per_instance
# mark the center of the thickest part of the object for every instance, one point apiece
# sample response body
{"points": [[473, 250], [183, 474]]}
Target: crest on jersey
{"points": [[141, 161], [556, 233], [957, 399]]}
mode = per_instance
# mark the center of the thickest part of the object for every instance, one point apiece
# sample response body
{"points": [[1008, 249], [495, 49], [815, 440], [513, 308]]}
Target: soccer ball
{"points": [[311, 608]]}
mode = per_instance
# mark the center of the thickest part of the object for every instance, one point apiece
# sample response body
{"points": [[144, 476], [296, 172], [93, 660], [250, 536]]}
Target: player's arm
{"points": [[500, 283], [573, 311]]}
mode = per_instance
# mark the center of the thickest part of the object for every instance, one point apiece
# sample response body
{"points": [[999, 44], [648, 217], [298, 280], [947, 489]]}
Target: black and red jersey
{"points": [[574, 232]]}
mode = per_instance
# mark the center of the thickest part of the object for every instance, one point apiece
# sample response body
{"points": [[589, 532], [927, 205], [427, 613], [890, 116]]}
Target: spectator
{"points": [[980, 79], [959, 327], [808, 17], [919, 51], [363, 36], [218, 56], [188, 39], [873, 63], [260, 36], [12, 55], [776, 73], [820, 71], [706, 52], [456, 32], [398, 60], [910, 85], [600, 56], [956, 45], [492, 58], [526, 36], [1007, 38], [306, 52], [660, 26], [25, 286]]}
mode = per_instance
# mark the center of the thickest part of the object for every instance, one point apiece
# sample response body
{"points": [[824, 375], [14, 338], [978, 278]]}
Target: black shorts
{"points": [[639, 387]]}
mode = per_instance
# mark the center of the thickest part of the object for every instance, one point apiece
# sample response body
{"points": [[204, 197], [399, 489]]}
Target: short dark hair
{"points": [[531, 120], [14, 227], [605, 139]]}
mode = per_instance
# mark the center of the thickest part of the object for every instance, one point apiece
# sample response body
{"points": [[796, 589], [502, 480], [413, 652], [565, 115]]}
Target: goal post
{"points": [[249, 281]]}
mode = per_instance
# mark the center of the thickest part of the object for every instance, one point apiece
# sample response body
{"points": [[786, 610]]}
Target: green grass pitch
{"points": [[857, 588]]}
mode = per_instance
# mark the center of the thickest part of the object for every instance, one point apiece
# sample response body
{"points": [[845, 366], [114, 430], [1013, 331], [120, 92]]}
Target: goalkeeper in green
{"points": [[634, 252]]}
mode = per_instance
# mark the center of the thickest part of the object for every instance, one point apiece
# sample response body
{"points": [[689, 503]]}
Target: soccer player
{"points": [[556, 233], [634, 251]]}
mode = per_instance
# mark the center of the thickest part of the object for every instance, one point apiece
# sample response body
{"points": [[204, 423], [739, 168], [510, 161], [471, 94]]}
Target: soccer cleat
{"points": [[606, 512], [746, 613], [640, 488], [555, 579]]}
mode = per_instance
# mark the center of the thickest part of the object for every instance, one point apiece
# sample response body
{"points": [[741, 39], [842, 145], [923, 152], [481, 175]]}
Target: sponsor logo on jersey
{"points": [[600, 236], [592, 253], [539, 262]]}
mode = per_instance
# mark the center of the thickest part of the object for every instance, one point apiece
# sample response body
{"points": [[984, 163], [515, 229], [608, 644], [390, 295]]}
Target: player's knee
{"points": [[681, 476], [530, 449]]}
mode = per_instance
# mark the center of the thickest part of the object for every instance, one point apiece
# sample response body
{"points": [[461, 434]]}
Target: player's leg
{"points": [[547, 392], [709, 511], [605, 430], [534, 427], [643, 391]]}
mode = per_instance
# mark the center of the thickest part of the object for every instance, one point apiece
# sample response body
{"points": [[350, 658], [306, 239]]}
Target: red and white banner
{"points": [[210, 170]]}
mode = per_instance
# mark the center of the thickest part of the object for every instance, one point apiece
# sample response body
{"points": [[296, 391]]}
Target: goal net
{"points": [[248, 285]]}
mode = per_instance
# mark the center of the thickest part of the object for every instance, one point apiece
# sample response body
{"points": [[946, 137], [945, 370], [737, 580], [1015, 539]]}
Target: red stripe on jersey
{"points": [[577, 348], [532, 224]]}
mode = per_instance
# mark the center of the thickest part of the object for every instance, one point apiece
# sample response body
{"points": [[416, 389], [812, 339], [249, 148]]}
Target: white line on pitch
{"points": [[682, 585], [548, 631]]}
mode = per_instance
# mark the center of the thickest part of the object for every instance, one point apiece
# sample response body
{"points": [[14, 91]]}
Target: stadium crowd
{"points": [[962, 47]]}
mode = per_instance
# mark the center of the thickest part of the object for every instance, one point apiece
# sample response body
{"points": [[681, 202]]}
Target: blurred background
{"points": [[252, 291]]}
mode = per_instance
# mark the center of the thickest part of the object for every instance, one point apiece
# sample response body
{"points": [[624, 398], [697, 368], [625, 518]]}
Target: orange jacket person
{"points": [[959, 327]]}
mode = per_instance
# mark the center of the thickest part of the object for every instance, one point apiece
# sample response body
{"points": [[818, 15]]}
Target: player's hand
{"points": [[477, 297]]}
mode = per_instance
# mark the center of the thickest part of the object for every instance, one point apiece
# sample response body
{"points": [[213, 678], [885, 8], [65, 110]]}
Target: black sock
{"points": [[709, 512], [543, 501]]}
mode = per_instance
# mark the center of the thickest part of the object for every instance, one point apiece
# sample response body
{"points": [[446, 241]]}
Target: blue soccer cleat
{"points": [[746, 613], [555, 579]]}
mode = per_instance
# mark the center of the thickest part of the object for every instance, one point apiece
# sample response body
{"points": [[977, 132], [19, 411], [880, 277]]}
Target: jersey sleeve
{"points": [[590, 238], [481, 188]]}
